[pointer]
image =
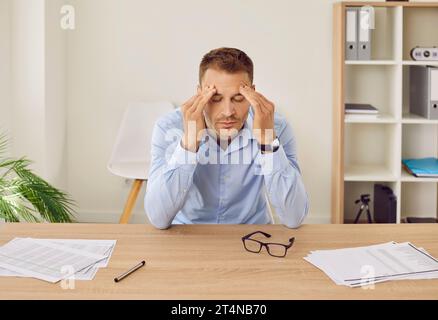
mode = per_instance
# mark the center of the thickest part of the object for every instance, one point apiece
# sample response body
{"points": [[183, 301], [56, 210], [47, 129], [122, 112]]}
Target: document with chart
{"points": [[54, 259], [377, 263]]}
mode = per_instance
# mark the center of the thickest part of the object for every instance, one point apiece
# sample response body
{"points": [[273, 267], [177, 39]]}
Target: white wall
{"points": [[132, 50], [55, 96], [37, 84], [5, 100], [27, 81]]}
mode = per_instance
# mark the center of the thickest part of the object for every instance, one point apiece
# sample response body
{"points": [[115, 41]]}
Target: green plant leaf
{"points": [[24, 195], [3, 143], [12, 205]]}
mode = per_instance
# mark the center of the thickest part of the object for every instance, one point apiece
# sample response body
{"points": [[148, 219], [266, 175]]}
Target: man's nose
{"points": [[229, 109]]}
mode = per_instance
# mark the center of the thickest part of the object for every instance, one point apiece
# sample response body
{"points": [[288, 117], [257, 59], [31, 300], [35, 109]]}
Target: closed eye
{"points": [[238, 99]]}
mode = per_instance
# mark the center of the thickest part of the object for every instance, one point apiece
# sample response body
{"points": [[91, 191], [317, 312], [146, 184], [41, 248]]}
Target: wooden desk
{"points": [[209, 262]]}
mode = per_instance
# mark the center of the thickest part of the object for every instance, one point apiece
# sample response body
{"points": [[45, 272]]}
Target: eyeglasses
{"points": [[278, 250]]}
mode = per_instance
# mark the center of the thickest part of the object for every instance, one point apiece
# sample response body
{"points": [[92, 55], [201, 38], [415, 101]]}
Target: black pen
{"points": [[127, 273]]}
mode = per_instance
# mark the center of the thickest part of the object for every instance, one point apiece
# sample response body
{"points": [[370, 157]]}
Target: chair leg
{"points": [[136, 186]]}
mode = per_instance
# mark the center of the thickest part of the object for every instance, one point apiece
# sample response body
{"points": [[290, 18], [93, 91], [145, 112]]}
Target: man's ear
{"points": [[253, 86], [198, 89]]}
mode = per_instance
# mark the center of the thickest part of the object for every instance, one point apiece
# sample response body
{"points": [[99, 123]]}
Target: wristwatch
{"points": [[270, 147]]}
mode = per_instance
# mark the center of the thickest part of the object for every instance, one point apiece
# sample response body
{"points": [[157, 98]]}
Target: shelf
{"points": [[353, 191], [381, 118], [369, 150], [419, 29], [407, 177], [419, 141], [419, 63], [371, 62], [390, 63], [410, 118], [418, 200], [377, 84], [385, 40], [368, 173]]}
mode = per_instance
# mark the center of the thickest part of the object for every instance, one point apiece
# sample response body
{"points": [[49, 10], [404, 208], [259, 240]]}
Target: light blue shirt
{"points": [[228, 186]]}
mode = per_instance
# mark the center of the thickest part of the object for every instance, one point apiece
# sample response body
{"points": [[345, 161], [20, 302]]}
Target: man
{"points": [[215, 159]]}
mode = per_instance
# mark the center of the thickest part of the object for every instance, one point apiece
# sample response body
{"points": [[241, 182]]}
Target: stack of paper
{"points": [[361, 266], [54, 259]]}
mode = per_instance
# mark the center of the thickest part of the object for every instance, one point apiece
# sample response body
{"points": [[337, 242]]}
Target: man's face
{"points": [[227, 110]]}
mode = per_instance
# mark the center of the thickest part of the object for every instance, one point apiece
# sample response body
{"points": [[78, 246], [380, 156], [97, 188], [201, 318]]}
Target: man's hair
{"points": [[231, 60]]}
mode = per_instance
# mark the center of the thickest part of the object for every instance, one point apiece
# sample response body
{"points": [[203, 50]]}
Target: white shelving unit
{"points": [[371, 149], [371, 62]]}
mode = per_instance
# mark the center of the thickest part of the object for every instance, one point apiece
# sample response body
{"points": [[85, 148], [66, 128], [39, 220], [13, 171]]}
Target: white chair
{"points": [[130, 156]]}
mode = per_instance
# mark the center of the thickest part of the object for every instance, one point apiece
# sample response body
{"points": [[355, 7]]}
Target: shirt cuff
{"points": [[184, 159], [272, 162]]}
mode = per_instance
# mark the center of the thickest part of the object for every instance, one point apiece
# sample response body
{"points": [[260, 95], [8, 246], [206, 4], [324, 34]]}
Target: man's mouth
{"points": [[227, 124]]}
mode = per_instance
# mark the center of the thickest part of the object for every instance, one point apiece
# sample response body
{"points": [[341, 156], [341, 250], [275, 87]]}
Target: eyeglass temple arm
{"points": [[255, 232], [291, 242]]}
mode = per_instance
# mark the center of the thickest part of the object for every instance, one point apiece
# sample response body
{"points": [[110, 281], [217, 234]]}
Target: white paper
{"points": [[319, 259], [54, 259], [367, 265]]}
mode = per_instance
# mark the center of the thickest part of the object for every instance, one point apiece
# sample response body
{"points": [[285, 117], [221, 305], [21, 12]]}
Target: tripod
{"points": [[364, 200]]}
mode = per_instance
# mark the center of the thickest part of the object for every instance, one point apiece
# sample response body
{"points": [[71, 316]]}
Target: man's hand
{"points": [[193, 118], [263, 126]]}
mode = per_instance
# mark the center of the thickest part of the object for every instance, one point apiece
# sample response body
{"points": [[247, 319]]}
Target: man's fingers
{"points": [[261, 104], [189, 104], [203, 102], [268, 104], [248, 93], [264, 98], [206, 96], [186, 105], [254, 99], [250, 96], [192, 108]]}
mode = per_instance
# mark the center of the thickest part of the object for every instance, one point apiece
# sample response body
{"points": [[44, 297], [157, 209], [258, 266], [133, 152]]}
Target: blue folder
{"points": [[425, 167]]}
